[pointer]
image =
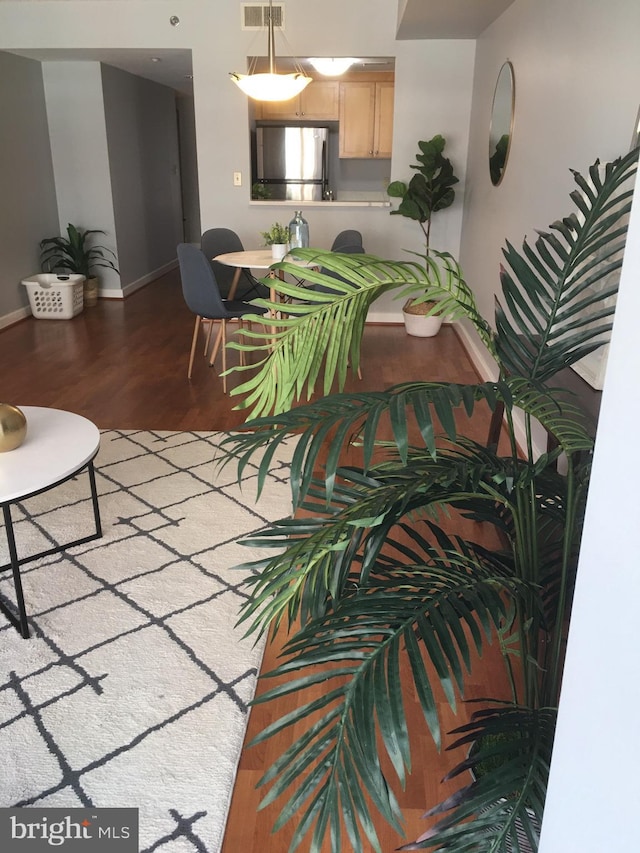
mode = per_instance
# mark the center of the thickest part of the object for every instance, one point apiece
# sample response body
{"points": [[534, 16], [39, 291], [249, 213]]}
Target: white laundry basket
{"points": [[55, 297]]}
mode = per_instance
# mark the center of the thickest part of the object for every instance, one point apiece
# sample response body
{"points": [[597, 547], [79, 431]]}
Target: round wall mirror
{"points": [[501, 131]]}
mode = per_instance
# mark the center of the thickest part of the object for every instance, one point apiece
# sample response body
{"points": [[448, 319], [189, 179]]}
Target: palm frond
{"points": [[350, 419], [557, 412], [341, 541], [354, 656], [542, 325], [502, 807], [303, 346]]}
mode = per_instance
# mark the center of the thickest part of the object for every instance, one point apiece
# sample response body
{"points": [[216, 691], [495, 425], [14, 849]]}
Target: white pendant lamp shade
{"points": [[271, 87], [332, 66]]}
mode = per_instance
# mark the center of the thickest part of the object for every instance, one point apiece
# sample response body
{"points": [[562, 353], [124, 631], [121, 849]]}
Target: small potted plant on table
{"points": [[278, 238], [72, 254]]}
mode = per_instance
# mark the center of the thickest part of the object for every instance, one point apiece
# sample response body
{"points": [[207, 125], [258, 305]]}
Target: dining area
{"points": [[222, 282]]}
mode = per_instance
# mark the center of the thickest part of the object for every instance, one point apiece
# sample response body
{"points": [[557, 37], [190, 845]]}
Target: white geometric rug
{"points": [[133, 688]]}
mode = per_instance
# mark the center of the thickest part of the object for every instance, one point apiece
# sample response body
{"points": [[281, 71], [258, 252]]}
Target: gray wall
{"points": [[28, 210], [189, 169], [142, 141], [78, 139]]}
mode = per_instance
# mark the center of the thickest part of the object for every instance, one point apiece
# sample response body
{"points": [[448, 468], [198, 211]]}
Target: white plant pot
{"points": [[279, 250], [420, 326]]}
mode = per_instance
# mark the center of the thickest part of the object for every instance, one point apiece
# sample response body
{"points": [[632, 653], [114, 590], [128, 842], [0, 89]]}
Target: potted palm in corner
{"points": [[74, 254], [368, 574], [430, 190]]}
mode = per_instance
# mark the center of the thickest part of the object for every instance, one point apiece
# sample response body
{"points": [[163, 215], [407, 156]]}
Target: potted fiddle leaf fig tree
{"points": [[76, 253], [375, 571], [428, 191]]}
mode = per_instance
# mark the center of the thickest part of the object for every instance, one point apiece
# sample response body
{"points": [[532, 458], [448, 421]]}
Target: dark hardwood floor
{"points": [[123, 364]]}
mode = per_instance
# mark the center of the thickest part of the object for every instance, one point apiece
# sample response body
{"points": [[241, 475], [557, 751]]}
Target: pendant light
{"points": [[332, 66], [272, 86]]}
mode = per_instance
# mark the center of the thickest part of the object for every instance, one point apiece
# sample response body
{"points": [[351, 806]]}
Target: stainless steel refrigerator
{"points": [[291, 162]]}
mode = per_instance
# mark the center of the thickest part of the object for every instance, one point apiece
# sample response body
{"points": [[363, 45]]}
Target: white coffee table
{"points": [[58, 446]]}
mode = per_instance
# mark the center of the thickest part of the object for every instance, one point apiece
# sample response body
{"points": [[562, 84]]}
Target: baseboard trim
{"points": [[132, 287], [485, 366], [15, 317], [487, 371], [384, 319]]}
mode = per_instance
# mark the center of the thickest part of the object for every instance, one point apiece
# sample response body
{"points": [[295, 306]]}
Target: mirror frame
{"points": [[507, 68]]}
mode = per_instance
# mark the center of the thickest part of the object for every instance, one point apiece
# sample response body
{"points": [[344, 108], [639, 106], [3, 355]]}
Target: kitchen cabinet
{"points": [[318, 102], [366, 119]]}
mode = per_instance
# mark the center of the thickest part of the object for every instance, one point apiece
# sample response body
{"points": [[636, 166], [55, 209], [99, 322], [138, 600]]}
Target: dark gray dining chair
{"points": [[220, 241], [202, 295], [348, 242]]}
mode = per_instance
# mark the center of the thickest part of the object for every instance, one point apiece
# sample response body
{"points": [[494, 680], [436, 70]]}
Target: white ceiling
{"points": [[417, 19], [173, 69], [447, 19]]}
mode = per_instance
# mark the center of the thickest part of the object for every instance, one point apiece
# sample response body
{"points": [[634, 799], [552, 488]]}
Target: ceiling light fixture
{"points": [[332, 66], [272, 86]]}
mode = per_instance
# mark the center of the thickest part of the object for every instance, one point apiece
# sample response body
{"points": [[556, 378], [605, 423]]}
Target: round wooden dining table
{"points": [[256, 259]]}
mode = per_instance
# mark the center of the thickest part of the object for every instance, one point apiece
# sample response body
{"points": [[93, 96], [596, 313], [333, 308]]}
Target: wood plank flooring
{"points": [[123, 364]]}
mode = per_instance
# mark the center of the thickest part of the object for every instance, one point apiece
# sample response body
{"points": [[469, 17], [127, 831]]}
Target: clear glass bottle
{"points": [[298, 232]]}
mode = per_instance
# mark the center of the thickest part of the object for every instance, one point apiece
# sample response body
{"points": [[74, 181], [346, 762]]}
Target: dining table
{"points": [[257, 259]]}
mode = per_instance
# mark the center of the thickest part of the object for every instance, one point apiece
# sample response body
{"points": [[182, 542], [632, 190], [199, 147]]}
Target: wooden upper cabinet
{"points": [[321, 100], [366, 119], [383, 130], [318, 102]]}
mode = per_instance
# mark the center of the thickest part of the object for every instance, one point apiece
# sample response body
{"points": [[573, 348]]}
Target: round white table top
{"points": [[257, 259], [57, 445]]}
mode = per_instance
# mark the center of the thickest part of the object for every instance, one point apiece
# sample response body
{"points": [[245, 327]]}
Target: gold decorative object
{"points": [[13, 427]]}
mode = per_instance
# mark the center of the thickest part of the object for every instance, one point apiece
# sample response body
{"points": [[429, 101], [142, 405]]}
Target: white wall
{"points": [[434, 81], [28, 210], [577, 70], [142, 142], [592, 803]]}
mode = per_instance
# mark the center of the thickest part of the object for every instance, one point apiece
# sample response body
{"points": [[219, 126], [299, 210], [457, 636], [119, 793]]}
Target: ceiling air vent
{"points": [[255, 16]]}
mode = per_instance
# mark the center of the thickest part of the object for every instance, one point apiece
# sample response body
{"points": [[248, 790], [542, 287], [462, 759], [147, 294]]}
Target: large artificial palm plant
{"points": [[369, 572]]}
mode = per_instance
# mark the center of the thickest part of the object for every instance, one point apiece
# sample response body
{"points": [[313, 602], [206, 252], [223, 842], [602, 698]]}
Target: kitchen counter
{"points": [[296, 205]]}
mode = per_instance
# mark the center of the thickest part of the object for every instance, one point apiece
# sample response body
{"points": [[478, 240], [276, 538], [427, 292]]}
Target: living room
{"points": [[575, 65]]}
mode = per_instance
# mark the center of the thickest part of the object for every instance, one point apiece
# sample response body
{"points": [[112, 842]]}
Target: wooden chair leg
{"points": [[216, 346], [242, 352], [223, 324], [194, 341], [208, 341]]}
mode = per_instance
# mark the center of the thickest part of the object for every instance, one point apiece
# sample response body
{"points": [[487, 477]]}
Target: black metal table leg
{"points": [[20, 623], [94, 500]]}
